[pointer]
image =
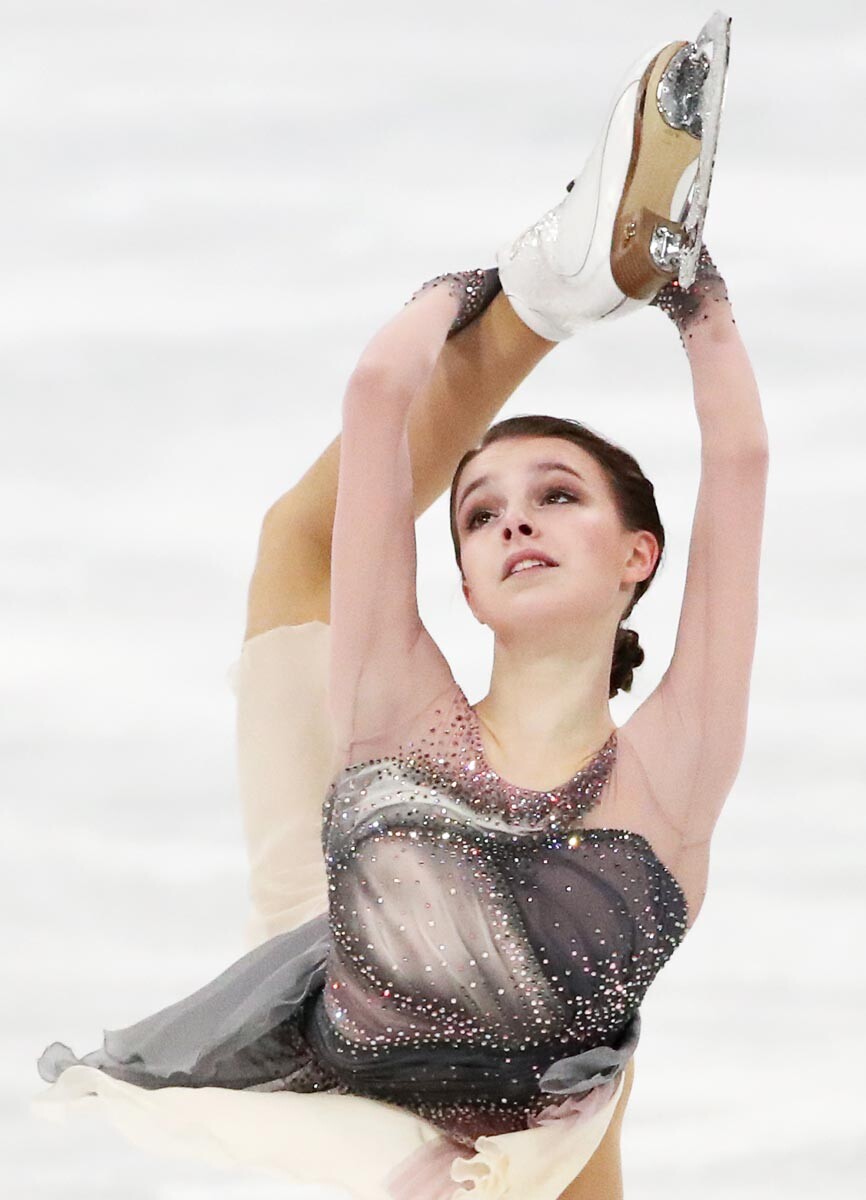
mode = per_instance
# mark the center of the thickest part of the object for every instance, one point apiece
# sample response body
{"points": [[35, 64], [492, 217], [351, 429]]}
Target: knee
{"points": [[286, 520], [291, 540]]}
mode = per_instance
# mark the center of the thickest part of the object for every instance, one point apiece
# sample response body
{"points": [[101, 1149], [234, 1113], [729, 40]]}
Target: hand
{"points": [[687, 306]]}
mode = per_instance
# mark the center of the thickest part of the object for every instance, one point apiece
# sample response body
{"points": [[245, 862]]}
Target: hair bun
{"points": [[627, 654]]}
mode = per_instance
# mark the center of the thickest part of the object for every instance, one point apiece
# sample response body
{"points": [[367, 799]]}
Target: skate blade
{"points": [[714, 40]]}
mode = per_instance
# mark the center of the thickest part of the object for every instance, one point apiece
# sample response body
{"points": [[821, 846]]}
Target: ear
{"points": [[644, 556], [467, 596]]}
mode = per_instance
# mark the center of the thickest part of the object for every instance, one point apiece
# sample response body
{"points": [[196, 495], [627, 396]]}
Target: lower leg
{"points": [[478, 369], [601, 1177]]}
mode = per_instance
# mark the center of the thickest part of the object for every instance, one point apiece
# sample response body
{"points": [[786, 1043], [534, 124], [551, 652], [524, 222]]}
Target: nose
{"points": [[523, 525]]}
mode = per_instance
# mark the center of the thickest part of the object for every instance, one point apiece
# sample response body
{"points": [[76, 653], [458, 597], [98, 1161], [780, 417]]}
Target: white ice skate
{"points": [[633, 220]]}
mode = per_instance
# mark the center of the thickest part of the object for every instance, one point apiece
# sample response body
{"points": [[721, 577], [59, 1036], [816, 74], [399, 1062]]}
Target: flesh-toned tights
{"points": [[478, 370]]}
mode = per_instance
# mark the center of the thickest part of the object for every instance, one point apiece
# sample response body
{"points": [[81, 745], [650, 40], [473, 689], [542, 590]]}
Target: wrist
{"points": [[470, 292], [712, 321], [704, 306]]}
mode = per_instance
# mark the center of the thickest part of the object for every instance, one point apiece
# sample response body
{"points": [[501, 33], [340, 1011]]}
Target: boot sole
{"points": [[659, 157]]}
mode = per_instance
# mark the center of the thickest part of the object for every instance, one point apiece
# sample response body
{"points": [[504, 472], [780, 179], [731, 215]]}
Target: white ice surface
{"points": [[207, 209]]}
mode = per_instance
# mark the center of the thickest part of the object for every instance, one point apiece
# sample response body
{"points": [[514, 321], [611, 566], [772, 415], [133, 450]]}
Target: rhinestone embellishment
{"points": [[474, 289]]}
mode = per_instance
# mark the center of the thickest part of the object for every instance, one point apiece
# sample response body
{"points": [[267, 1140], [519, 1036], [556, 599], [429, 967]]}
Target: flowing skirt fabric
{"points": [[371, 1149]]}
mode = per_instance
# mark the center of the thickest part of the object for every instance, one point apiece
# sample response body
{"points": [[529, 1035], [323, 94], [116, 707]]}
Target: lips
{"points": [[522, 556]]}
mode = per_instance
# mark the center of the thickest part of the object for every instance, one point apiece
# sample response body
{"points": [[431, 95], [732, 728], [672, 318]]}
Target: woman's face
{"points": [[512, 498]]}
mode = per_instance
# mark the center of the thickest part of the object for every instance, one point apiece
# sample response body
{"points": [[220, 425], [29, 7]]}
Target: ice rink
{"points": [[208, 209]]}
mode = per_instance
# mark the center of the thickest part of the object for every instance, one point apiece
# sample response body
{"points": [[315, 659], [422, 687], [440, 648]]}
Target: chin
{"points": [[535, 605]]}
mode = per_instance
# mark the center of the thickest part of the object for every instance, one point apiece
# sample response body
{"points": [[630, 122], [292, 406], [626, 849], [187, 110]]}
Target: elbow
{"points": [[752, 450], [757, 450], [375, 384], [758, 445], [370, 375], [369, 391], [396, 371]]}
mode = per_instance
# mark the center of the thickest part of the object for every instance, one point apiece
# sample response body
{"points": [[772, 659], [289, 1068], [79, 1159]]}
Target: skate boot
{"points": [[632, 221]]}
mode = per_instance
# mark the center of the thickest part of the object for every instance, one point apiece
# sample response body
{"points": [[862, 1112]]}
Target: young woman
{"points": [[448, 961]]}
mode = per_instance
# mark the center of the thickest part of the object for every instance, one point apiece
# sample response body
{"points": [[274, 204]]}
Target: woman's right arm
{"points": [[384, 666]]}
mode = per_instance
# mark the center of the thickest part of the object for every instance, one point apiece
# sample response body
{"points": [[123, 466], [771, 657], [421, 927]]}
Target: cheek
{"points": [[601, 538], [594, 548], [598, 533], [480, 565]]}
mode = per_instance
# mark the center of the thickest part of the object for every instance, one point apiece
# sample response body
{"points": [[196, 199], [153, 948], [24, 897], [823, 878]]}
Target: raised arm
{"points": [[384, 667], [690, 732]]}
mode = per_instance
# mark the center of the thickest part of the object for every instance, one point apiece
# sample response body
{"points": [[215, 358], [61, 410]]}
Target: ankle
{"points": [[514, 331]]}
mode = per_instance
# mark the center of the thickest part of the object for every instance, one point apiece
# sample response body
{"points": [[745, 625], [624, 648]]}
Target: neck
{"points": [[553, 695]]}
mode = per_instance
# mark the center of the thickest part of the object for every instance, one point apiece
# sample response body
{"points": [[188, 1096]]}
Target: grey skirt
{"points": [[260, 1025]]}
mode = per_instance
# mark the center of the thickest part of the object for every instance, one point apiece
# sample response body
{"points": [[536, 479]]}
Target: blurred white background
{"points": [[207, 209]]}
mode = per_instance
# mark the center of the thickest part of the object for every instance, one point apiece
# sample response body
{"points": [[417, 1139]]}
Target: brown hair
{"points": [[633, 495]]}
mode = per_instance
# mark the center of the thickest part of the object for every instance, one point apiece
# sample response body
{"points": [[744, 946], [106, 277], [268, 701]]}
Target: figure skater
{"points": [[448, 956]]}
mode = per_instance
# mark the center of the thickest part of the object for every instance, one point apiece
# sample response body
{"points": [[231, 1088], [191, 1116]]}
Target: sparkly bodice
{"points": [[476, 923]]}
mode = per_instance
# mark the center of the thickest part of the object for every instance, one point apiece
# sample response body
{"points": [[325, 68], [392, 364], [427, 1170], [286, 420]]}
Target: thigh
{"points": [[285, 751], [601, 1178], [291, 580]]}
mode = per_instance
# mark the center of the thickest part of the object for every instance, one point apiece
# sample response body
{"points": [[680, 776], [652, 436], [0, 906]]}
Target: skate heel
{"points": [[649, 255]]}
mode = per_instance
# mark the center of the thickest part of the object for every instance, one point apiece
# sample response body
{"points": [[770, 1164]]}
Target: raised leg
{"points": [[478, 370]]}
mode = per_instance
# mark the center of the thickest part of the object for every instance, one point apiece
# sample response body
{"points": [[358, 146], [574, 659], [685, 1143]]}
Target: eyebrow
{"points": [[539, 466]]}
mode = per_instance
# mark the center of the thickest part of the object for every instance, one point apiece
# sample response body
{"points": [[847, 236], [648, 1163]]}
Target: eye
{"points": [[474, 523]]}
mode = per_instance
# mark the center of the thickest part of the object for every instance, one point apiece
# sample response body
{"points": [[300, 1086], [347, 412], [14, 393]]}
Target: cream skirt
{"points": [[371, 1149]]}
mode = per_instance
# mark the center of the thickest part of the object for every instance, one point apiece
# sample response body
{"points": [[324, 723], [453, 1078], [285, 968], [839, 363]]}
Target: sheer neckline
{"points": [[600, 762]]}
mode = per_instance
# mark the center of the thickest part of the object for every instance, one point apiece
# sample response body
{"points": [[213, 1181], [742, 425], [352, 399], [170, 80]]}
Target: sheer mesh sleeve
{"points": [[385, 669], [681, 750]]}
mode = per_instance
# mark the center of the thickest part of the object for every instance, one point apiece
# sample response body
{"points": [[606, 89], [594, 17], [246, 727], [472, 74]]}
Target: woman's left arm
{"points": [[694, 724]]}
